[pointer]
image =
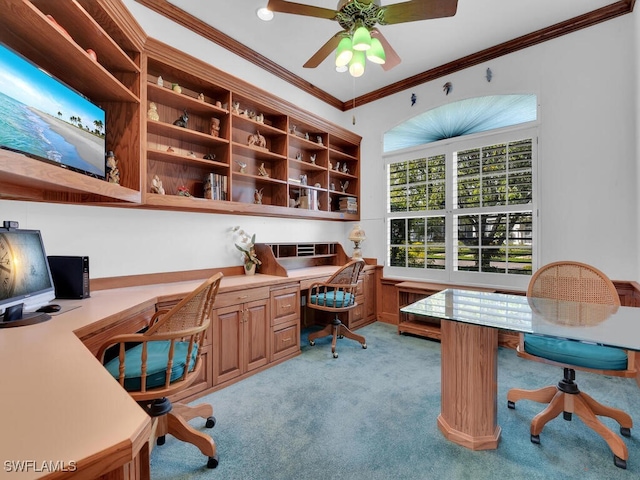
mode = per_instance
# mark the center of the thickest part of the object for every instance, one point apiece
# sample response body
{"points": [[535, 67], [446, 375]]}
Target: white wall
{"points": [[586, 84]]}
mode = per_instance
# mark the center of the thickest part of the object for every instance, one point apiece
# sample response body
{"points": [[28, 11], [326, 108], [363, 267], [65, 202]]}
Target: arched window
{"points": [[462, 211]]}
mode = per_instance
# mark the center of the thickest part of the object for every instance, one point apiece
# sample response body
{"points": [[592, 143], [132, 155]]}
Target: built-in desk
{"points": [[60, 409]]}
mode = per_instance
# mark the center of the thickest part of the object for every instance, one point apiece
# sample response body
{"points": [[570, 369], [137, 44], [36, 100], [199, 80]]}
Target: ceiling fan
{"points": [[354, 14]]}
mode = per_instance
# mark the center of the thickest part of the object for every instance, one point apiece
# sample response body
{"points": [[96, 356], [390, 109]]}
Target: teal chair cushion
{"points": [[575, 353], [334, 299], [157, 358]]}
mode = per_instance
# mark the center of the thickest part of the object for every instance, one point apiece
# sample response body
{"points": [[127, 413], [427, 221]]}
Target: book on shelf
{"points": [[348, 204], [215, 186]]}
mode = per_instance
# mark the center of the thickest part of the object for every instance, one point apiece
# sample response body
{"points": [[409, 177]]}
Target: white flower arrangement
{"points": [[247, 247]]}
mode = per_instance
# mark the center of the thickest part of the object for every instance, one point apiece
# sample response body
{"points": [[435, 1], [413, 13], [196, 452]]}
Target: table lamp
{"points": [[357, 236]]}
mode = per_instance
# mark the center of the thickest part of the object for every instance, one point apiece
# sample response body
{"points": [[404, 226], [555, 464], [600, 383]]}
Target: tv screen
{"points": [[25, 277], [45, 119]]}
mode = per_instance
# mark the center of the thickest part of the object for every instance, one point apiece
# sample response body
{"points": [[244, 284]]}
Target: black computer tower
{"points": [[70, 276]]}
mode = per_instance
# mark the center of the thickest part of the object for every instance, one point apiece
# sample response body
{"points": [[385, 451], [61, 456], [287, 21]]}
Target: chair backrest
{"points": [[348, 274], [573, 281]]}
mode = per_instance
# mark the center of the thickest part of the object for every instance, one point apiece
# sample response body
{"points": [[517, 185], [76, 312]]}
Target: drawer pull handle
{"points": [[243, 296], [288, 305], [286, 340]]}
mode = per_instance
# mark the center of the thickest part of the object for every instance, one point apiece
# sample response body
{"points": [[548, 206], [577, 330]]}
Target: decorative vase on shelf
{"points": [[250, 269]]}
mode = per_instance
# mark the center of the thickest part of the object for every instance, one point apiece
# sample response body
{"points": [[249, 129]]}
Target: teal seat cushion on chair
{"points": [[157, 358], [598, 357], [332, 299]]}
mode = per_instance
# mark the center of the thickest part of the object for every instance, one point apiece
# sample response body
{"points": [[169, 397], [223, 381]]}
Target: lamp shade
{"points": [[344, 52], [376, 53], [356, 66], [361, 39], [357, 234]]}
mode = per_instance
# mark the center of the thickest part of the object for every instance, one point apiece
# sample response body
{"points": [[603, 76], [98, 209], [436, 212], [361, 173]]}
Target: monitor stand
{"points": [[14, 317]]}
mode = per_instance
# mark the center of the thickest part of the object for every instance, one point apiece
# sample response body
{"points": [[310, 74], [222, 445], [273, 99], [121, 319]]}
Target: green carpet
{"points": [[371, 414]]}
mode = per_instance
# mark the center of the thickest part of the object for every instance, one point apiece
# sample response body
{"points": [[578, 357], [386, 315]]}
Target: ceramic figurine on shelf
{"points": [[183, 191], [156, 185], [201, 97], [152, 114], [183, 120], [258, 196], [176, 88], [292, 130], [209, 156], [259, 118], [170, 150], [215, 127], [92, 54], [113, 174], [337, 166], [303, 179], [160, 82], [262, 171], [344, 186], [299, 156], [306, 136], [235, 108], [345, 168], [312, 158], [257, 140], [191, 154], [243, 166], [319, 140]]}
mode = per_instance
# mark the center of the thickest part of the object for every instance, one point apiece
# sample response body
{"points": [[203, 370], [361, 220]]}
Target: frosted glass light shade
{"points": [[361, 39], [344, 52], [376, 53], [356, 66]]}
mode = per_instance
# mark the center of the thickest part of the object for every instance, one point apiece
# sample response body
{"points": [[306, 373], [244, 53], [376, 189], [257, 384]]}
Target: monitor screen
{"points": [[25, 277], [45, 119]]}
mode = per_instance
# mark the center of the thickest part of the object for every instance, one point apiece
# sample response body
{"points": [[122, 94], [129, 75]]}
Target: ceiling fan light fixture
{"points": [[356, 66], [376, 53], [342, 68], [361, 39], [344, 54]]}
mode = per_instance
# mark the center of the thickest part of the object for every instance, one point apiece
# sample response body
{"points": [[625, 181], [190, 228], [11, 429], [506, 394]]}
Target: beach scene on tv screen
{"points": [[42, 117]]}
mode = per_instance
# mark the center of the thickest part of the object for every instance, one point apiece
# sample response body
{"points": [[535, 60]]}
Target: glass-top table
{"points": [[470, 321]]}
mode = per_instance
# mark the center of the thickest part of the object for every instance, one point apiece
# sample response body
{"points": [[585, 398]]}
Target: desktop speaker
{"points": [[70, 276]]}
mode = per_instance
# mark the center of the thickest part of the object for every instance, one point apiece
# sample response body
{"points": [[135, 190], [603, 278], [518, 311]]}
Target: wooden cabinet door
{"points": [[227, 343], [256, 334], [369, 296]]}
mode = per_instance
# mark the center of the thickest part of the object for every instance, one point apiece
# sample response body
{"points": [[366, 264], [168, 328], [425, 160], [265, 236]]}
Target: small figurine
{"points": [[306, 136], [259, 118], [258, 196], [209, 156], [191, 154], [292, 130], [201, 97], [312, 158], [235, 108], [92, 54], [345, 168], [214, 127], [170, 150], [344, 186], [152, 114], [113, 174], [183, 192], [332, 186], [218, 104], [156, 185], [182, 121], [176, 88], [262, 171], [243, 166], [257, 140], [160, 81], [319, 140], [338, 166], [303, 179], [299, 156]]}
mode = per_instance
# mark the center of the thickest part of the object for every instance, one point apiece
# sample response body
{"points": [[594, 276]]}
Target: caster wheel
{"points": [[312, 342], [620, 463], [625, 432], [211, 422], [335, 355], [213, 461], [511, 405], [340, 336], [535, 439], [161, 440], [364, 346]]}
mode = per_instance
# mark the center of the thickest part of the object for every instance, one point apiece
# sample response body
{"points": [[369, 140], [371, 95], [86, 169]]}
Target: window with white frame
{"points": [[463, 210]]}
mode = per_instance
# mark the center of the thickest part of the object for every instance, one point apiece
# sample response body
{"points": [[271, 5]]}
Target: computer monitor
{"points": [[25, 278]]}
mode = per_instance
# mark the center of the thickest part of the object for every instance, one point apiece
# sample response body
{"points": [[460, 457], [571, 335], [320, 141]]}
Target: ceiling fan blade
{"points": [[300, 9], [392, 58], [419, 10], [324, 51]]}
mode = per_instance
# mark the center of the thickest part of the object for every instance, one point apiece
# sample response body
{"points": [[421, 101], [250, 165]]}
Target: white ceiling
{"points": [[289, 40]]}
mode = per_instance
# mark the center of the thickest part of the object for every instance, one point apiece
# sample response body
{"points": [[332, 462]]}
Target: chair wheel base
{"points": [[213, 461], [211, 422], [335, 355], [625, 432], [161, 440], [535, 439], [511, 405], [620, 463], [312, 343], [364, 345]]}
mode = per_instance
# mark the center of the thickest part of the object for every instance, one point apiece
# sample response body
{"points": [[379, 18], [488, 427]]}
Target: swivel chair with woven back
{"points": [[163, 361], [337, 295], [575, 282]]}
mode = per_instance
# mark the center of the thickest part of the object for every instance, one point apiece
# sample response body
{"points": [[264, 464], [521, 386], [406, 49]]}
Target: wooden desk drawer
{"points": [[286, 342], [285, 305], [240, 296]]}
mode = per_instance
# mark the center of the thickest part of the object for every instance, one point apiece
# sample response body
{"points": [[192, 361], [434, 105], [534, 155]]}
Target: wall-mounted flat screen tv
{"points": [[43, 118]]}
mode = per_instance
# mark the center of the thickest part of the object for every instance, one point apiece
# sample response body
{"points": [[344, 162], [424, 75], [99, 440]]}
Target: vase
{"points": [[250, 270]]}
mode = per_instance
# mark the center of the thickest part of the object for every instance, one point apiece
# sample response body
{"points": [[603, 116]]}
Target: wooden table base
{"points": [[468, 412]]}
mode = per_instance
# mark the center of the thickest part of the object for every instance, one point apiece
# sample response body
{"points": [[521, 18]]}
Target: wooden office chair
{"points": [[336, 295], [163, 361], [575, 282]]}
